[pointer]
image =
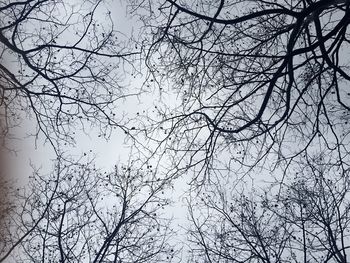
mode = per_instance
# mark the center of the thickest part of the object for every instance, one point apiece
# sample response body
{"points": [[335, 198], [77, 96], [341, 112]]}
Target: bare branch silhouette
{"points": [[61, 64], [304, 220], [254, 79], [80, 214]]}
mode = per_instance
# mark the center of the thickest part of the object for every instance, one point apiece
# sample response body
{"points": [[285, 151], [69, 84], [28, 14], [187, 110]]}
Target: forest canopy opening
{"points": [[244, 104]]}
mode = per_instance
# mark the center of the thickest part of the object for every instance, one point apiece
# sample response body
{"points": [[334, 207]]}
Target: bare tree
{"points": [[304, 220], [79, 214], [61, 64], [253, 78]]}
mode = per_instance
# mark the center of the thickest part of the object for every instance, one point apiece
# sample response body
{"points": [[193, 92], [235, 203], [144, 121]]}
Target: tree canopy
{"points": [[250, 108], [257, 79], [61, 65]]}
